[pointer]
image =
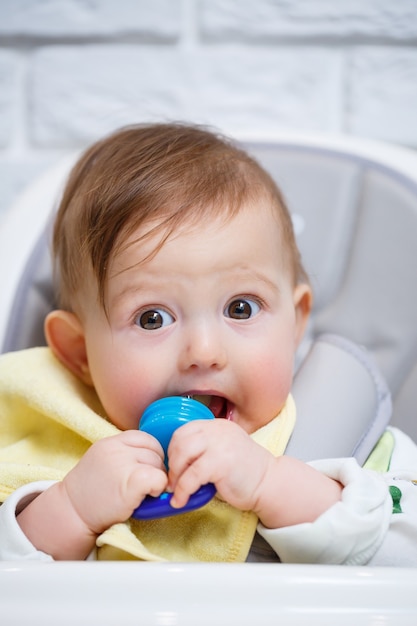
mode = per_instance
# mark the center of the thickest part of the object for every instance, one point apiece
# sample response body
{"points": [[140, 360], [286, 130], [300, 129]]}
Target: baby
{"points": [[178, 274]]}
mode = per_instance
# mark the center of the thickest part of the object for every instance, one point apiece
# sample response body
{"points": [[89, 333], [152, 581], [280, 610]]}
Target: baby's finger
{"points": [[144, 456], [146, 480], [142, 441], [188, 483], [188, 444]]}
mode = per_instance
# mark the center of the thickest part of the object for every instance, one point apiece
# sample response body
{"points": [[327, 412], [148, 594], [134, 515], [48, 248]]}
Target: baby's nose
{"points": [[204, 347]]}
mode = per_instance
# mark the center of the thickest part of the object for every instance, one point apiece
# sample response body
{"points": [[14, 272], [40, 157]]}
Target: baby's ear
{"points": [[65, 336], [303, 302]]}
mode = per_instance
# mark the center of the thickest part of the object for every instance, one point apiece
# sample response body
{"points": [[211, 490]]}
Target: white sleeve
{"points": [[350, 532], [399, 547], [14, 545]]}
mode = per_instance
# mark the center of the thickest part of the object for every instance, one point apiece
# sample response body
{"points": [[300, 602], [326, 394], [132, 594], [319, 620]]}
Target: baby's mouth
{"points": [[218, 405]]}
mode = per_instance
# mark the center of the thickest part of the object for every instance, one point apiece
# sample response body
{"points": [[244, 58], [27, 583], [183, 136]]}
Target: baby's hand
{"points": [[282, 491], [114, 476], [104, 488], [220, 452]]}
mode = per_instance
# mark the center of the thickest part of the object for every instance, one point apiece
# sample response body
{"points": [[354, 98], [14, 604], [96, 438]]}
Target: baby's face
{"points": [[213, 315]]}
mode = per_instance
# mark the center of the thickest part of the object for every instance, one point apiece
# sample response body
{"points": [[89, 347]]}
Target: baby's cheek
{"points": [[122, 407], [275, 382]]}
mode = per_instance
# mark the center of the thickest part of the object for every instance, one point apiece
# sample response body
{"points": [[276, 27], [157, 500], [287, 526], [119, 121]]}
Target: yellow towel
{"points": [[48, 419]]}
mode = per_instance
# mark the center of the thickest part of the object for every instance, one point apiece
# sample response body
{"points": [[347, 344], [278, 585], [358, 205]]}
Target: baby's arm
{"points": [[111, 480], [328, 512], [292, 492], [350, 532]]}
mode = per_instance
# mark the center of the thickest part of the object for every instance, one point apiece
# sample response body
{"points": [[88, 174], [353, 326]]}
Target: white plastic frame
{"points": [[145, 594]]}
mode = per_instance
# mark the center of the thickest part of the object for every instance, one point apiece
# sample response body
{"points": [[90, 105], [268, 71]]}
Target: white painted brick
{"points": [[8, 69], [383, 94], [74, 18], [79, 93], [264, 89], [225, 19]]}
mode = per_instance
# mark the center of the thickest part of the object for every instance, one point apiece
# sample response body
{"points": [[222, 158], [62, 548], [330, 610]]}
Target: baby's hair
{"points": [[161, 176]]}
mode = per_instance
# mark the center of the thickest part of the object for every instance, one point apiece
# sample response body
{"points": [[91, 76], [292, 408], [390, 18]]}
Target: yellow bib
{"points": [[48, 419]]}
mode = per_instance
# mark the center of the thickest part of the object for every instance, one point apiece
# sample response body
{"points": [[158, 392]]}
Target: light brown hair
{"points": [[158, 174]]}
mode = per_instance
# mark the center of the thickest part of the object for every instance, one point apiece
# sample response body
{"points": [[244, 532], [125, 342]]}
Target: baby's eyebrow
{"points": [[131, 290], [253, 274], [145, 283]]}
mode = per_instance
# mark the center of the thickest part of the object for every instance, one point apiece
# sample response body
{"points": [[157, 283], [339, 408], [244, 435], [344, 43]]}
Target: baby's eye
{"points": [[242, 309], [154, 319]]}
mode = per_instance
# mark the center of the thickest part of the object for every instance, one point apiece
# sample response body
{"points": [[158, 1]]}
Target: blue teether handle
{"points": [[160, 419], [155, 508]]}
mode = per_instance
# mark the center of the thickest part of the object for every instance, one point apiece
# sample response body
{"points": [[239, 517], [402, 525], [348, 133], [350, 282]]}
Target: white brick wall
{"points": [[70, 70]]}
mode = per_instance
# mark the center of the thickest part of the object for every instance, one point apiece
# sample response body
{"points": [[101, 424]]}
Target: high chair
{"points": [[354, 207]]}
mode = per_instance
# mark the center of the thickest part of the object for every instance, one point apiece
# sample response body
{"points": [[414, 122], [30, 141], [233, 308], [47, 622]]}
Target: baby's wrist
{"points": [[52, 525], [294, 493]]}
